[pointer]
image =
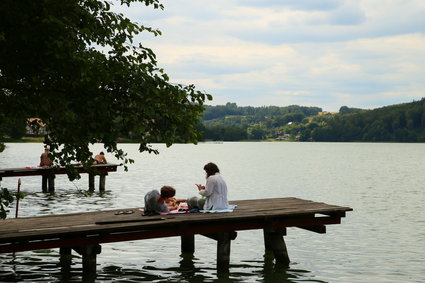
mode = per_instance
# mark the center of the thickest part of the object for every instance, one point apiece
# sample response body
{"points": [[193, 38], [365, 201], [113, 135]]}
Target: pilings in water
{"points": [[273, 242], [102, 181], [223, 239], [223, 250], [223, 246], [89, 254], [48, 182], [188, 244]]}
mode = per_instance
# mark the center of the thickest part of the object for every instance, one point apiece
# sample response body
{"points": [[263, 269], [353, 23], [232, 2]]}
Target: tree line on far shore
{"points": [[396, 123]]}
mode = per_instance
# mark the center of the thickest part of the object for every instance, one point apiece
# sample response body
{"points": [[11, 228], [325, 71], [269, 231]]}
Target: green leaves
{"points": [[6, 198], [73, 65]]}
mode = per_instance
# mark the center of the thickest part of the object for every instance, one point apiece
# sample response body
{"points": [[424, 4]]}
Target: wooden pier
{"points": [[49, 174], [85, 232]]}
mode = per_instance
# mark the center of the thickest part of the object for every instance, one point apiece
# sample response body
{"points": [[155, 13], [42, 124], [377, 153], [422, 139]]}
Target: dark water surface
{"points": [[382, 240]]}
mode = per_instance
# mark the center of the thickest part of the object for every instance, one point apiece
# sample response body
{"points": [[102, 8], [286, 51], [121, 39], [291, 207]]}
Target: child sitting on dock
{"points": [[156, 202]]}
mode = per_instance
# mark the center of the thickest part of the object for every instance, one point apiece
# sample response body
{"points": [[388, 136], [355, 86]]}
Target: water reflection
{"points": [[47, 265], [38, 203], [279, 272]]}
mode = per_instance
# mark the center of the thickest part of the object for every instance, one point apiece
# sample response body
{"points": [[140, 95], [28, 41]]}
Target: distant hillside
{"points": [[230, 122], [397, 123], [231, 109]]}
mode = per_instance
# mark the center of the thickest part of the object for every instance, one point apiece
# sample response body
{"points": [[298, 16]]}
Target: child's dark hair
{"points": [[167, 192]]}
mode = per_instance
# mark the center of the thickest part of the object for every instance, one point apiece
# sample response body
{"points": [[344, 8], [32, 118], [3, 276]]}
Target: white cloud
{"points": [[327, 53]]}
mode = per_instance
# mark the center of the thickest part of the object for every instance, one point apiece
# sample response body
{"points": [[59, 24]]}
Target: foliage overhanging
{"points": [[74, 65]]}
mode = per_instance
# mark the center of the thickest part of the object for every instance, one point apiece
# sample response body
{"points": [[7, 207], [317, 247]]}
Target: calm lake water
{"points": [[382, 240]]}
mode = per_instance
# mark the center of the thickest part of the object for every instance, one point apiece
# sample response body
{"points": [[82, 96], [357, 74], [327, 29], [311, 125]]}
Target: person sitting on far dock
{"points": [[45, 160], [156, 202], [214, 193], [100, 158]]}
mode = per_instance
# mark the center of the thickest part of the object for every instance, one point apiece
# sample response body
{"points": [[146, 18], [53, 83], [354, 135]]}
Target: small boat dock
{"points": [[48, 174], [85, 232]]}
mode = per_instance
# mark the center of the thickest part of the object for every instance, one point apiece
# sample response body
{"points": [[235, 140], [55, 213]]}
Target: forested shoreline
{"points": [[396, 123]]}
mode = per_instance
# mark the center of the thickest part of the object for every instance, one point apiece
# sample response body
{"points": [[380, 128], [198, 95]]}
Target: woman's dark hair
{"points": [[167, 192], [211, 169]]}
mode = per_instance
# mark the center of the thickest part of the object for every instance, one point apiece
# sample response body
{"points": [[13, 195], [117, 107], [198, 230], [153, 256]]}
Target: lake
{"points": [[382, 240]]}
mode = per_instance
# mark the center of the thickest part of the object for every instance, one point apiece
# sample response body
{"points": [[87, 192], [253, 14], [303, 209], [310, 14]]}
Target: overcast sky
{"points": [[325, 53]]}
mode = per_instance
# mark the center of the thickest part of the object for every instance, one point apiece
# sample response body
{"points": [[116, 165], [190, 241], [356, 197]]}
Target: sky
{"points": [[324, 53]]}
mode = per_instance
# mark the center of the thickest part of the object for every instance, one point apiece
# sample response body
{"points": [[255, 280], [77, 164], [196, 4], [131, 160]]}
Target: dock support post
{"points": [[91, 182], [44, 183], [223, 250], [65, 262], [274, 241], [51, 181], [48, 182], [65, 259], [102, 181], [89, 253], [188, 244]]}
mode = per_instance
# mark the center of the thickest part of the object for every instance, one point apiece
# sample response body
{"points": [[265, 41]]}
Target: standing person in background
{"points": [[215, 190], [45, 160]]}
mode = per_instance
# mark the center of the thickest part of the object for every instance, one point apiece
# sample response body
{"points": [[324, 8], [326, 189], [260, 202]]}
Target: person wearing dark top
{"points": [[156, 202]]}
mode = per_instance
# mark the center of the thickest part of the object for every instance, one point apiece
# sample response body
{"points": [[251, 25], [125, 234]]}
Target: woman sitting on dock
{"points": [[156, 202], [214, 193]]}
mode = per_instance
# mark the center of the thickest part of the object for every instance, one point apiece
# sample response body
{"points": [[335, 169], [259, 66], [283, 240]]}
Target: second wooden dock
{"points": [[49, 174]]}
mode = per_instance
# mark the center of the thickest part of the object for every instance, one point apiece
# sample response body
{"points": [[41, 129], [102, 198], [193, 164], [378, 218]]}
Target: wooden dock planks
{"points": [[92, 227]]}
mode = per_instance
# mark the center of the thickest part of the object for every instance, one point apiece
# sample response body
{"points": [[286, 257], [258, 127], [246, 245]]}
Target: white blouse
{"points": [[215, 193]]}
